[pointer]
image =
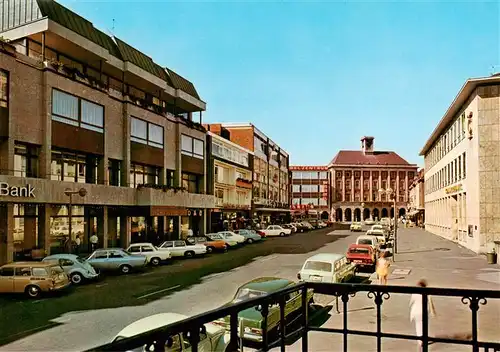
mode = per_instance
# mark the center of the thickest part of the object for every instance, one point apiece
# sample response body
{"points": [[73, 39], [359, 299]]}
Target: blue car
{"points": [[116, 259], [250, 235], [76, 268]]}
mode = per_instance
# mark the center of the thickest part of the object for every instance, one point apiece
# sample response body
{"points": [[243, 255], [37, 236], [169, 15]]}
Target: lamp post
{"points": [[390, 193], [82, 192], [362, 211]]}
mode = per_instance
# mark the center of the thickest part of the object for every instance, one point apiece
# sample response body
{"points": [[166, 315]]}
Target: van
{"points": [[327, 267]]}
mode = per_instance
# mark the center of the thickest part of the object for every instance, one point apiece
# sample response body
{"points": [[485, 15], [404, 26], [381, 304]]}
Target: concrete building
{"points": [[230, 180], [462, 168], [416, 204], [358, 175], [309, 189], [270, 193], [81, 109]]}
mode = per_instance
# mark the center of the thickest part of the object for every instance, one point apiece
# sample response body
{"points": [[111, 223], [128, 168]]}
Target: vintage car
{"points": [[380, 235], [212, 245], [230, 235], [356, 226], [230, 242], [289, 226], [250, 235], [179, 248], [113, 259], [322, 224], [276, 230], [369, 222], [362, 255], [32, 278], [76, 268], [213, 338], [251, 319], [369, 240], [154, 254], [327, 267]]}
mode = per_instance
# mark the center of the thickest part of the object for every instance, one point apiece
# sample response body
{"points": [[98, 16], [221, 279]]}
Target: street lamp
{"points": [[362, 211], [82, 192], [389, 192]]}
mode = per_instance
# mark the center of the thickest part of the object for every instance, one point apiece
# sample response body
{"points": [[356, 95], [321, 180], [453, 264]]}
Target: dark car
{"points": [[291, 227]]}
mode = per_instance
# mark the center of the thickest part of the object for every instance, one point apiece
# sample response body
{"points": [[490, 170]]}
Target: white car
{"points": [[276, 230], [322, 224], [213, 338], [369, 240], [154, 254], [231, 236], [379, 234], [327, 267], [179, 248]]}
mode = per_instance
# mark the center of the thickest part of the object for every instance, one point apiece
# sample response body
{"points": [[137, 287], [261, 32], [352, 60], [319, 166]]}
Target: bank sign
{"points": [[7, 190]]}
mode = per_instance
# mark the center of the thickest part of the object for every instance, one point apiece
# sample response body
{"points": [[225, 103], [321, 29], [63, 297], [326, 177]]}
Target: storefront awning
{"points": [[415, 212], [273, 210]]}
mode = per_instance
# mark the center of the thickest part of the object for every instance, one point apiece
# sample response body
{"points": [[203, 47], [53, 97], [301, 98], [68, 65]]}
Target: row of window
{"points": [[4, 89], [234, 155], [193, 147], [308, 188], [309, 175], [263, 147], [375, 175], [451, 173], [313, 201], [448, 140]]}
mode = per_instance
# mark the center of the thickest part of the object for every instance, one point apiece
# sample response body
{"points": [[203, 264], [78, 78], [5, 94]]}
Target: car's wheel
{"points": [[210, 249], [250, 241], [155, 261], [76, 278], [33, 291], [189, 254], [125, 269], [282, 234]]}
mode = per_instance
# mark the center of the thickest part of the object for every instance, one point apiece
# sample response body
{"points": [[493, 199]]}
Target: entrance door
{"points": [[454, 218]]}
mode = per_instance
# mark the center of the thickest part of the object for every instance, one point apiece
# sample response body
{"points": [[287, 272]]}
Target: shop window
{"points": [[4, 89], [114, 174], [73, 167], [25, 160], [144, 174], [191, 182], [72, 110]]}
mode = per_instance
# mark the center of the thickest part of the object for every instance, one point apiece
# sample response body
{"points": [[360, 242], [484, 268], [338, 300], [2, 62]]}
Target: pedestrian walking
{"points": [[78, 243], [190, 232], [416, 311], [94, 240], [383, 268]]}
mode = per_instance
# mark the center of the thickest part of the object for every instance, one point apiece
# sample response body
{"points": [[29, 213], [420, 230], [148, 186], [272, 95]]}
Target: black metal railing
{"points": [[344, 292]]}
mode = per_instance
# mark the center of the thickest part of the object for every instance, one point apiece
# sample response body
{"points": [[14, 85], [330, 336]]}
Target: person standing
{"points": [[190, 232], [94, 240], [416, 311], [383, 268], [78, 243]]}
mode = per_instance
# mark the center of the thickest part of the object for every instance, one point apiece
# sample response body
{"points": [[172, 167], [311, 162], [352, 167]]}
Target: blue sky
{"points": [[316, 76]]}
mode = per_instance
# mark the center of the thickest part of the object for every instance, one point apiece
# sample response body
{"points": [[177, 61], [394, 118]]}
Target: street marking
{"points": [[269, 258], [160, 291], [401, 271]]}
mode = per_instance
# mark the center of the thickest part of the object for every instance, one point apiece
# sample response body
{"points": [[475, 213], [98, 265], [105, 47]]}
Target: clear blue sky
{"points": [[315, 77]]}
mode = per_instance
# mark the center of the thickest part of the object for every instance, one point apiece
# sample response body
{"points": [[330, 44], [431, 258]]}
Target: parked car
{"points": [[32, 278], [362, 255], [212, 337], [369, 222], [212, 245], [299, 226], [289, 226], [230, 242], [230, 235], [179, 248], [377, 227], [322, 224], [154, 254], [76, 268], [276, 230], [380, 235], [252, 318], [307, 225], [327, 267], [250, 235], [356, 227], [369, 240], [113, 259]]}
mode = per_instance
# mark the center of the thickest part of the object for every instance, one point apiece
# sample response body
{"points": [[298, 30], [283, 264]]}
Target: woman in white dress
{"points": [[416, 311]]}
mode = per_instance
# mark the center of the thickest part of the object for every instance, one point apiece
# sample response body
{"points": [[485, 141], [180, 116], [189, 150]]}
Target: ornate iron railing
{"points": [[344, 292]]}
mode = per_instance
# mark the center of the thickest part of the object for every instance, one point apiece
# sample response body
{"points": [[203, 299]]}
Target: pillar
{"points": [[6, 233], [7, 157], [102, 169], [45, 156], [379, 187], [178, 158], [177, 227], [370, 197], [125, 164], [362, 189], [203, 217], [397, 190], [343, 186], [125, 231], [44, 212], [112, 230], [352, 188], [30, 226]]}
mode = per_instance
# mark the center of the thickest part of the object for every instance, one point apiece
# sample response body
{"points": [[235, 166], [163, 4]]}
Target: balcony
{"points": [[243, 183], [344, 293]]}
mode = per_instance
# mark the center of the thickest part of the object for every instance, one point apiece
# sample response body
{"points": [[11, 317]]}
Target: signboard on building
{"points": [[308, 168], [453, 189], [7, 190], [195, 212]]}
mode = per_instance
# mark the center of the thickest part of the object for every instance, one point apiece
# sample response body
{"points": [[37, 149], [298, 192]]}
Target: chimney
{"points": [[367, 144]]}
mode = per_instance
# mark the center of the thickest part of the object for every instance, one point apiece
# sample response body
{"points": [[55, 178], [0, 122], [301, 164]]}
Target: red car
{"points": [[362, 255]]}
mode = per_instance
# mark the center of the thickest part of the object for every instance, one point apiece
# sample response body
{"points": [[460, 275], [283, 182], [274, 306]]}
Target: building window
{"points": [[192, 146], [71, 110], [73, 167], [463, 164], [4, 89], [191, 182], [296, 188], [114, 176], [25, 160], [144, 174], [170, 178], [146, 133]]}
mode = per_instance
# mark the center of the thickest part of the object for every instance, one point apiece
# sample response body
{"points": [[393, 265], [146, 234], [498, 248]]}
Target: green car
{"points": [[356, 226], [251, 319]]}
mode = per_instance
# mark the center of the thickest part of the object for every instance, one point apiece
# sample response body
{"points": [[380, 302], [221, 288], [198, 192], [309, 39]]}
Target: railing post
{"points": [[282, 323], [194, 339], [425, 322], [233, 326], [345, 299], [265, 335], [474, 307], [305, 317]]}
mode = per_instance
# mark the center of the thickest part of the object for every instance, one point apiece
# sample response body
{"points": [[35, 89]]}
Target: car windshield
{"points": [[359, 251], [318, 266], [244, 294]]}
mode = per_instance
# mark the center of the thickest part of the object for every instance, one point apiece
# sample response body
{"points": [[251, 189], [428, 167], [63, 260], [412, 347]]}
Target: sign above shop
{"points": [[195, 212], [7, 190], [308, 168], [453, 189]]}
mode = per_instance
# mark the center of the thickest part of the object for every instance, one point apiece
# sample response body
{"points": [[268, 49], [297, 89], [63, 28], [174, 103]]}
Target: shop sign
{"points": [[453, 189], [7, 190], [195, 212]]}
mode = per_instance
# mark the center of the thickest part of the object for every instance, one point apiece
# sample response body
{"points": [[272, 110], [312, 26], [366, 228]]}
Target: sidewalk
{"points": [[443, 264]]}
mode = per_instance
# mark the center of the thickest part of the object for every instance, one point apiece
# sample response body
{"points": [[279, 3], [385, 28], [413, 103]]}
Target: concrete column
{"points": [[112, 230], [352, 187], [7, 157], [45, 156], [125, 231], [44, 212], [379, 186], [6, 233], [178, 157], [102, 168], [203, 227], [177, 227], [362, 188], [370, 198], [407, 184], [30, 227], [102, 227], [397, 190]]}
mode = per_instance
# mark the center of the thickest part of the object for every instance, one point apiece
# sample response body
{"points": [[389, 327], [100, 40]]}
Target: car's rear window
{"points": [[359, 251], [364, 241], [39, 271], [319, 266]]}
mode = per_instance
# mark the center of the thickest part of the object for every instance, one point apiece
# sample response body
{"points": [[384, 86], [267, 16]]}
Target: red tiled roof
{"points": [[375, 158]]}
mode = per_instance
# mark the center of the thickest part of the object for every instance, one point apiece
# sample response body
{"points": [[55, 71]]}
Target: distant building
{"points": [[309, 189], [416, 204], [462, 164], [356, 177]]}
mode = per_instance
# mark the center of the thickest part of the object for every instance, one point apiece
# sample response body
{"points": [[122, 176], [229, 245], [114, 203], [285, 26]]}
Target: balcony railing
{"points": [[343, 292]]}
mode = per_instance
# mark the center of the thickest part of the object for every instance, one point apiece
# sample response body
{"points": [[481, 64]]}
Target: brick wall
{"points": [[242, 136]]}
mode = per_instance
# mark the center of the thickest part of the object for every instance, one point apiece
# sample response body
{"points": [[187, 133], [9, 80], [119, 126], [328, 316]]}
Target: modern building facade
{"points": [[270, 181], [80, 109], [358, 175], [416, 204], [462, 164], [309, 190], [230, 180]]}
